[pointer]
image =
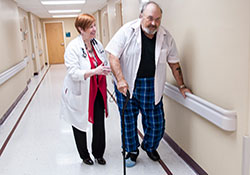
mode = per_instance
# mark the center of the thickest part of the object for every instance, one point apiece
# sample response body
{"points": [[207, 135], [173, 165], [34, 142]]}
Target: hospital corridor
{"points": [[43, 143], [192, 59]]}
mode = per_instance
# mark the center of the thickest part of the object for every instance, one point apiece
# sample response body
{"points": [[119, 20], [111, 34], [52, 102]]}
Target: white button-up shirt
{"points": [[126, 45]]}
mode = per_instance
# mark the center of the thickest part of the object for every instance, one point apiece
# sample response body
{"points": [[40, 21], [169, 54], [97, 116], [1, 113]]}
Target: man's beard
{"points": [[148, 31]]}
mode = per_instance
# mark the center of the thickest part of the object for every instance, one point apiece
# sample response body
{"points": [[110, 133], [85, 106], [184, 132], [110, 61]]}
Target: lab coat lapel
{"points": [[82, 46]]}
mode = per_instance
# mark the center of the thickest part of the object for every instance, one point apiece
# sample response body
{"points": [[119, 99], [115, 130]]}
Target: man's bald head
{"points": [[145, 5]]}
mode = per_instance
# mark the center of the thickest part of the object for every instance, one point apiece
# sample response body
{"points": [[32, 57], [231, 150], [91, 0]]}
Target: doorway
{"points": [[55, 42]]}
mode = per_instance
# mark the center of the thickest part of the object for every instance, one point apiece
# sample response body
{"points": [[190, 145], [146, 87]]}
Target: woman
{"points": [[84, 99]]}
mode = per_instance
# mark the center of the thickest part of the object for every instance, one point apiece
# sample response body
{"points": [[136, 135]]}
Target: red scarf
{"points": [[94, 87]]}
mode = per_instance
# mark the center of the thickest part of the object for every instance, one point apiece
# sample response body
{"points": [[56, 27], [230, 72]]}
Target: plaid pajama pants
{"points": [[153, 121]]}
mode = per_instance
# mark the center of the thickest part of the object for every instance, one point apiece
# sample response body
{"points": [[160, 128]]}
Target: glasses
{"points": [[151, 19]]}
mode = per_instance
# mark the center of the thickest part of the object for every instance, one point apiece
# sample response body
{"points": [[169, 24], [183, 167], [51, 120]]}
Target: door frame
{"points": [[45, 38]]}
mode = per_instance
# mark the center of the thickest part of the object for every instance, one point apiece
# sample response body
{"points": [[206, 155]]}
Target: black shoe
{"points": [[88, 161], [101, 161], [152, 155]]}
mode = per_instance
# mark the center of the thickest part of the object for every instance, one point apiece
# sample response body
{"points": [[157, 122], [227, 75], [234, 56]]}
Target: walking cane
{"points": [[123, 131]]}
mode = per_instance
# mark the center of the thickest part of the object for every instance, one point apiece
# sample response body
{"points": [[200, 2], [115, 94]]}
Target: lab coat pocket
{"points": [[74, 101], [76, 88], [163, 56]]}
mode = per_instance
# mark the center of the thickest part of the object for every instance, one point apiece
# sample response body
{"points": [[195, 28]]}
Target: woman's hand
{"points": [[102, 70]]}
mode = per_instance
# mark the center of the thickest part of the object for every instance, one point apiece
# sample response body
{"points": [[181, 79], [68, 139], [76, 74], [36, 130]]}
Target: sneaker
{"points": [[131, 158]]}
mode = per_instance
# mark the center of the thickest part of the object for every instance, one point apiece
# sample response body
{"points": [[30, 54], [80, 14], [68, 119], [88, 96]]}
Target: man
{"points": [[138, 54]]}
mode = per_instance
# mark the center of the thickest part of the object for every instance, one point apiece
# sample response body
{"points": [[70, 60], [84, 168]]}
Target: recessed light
{"points": [[65, 11], [62, 2], [64, 16]]}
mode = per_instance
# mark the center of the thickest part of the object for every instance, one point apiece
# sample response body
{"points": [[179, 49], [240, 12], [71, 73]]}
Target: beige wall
{"points": [[98, 25], [11, 54], [213, 42], [37, 40], [10, 35], [105, 35], [130, 10], [114, 16], [40, 39], [15, 46], [26, 41]]}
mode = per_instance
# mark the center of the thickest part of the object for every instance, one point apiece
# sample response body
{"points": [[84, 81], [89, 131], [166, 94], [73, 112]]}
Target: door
{"points": [[55, 42]]}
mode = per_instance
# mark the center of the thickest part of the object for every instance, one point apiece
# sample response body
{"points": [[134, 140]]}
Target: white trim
{"points": [[26, 59], [246, 156], [222, 118], [13, 71]]}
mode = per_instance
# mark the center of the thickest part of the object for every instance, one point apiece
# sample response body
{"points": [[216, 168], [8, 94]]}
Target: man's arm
{"points": [[115, 66], [176, 70]]}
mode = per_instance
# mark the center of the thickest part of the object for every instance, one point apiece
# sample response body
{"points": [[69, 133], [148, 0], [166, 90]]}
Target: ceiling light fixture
{"points": [[64, 16], [63, 2], [65, 11]]}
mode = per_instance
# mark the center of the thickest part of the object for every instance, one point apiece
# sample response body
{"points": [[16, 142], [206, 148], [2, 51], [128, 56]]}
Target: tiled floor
{"points": [[42, 144]]}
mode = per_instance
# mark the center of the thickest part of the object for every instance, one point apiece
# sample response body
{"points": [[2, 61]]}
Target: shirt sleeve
{"points": [[117, 44], [173, 56]]}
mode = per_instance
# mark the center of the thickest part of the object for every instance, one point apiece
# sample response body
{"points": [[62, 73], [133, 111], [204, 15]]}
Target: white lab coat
{"points": [[75, 92], [126, 45]]}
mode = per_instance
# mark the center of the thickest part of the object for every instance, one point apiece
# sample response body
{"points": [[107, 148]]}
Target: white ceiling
{"points": [[35, 7]]}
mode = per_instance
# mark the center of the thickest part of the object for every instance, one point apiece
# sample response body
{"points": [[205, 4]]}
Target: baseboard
{"points": [[7, 113], [184, 155]]}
